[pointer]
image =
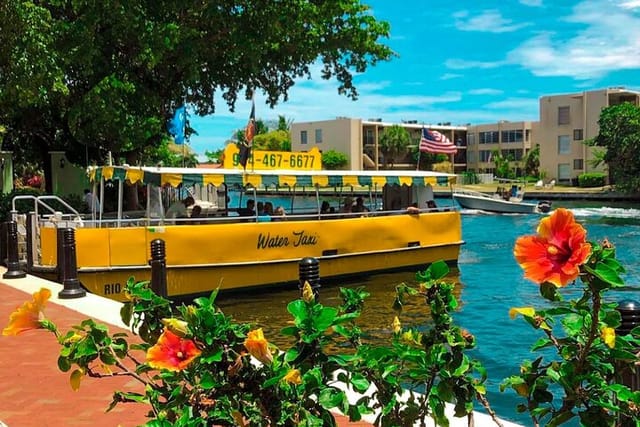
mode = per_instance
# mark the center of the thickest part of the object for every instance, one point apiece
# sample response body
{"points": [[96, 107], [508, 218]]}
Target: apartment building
{"points": [[512, 140], [359, 140], [566, 121]]}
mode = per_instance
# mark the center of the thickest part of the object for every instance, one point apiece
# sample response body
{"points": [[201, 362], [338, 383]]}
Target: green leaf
{"points": [[573, 323], [298, 310], [325, 318], [331, 397], [549, 291], [360, 383]]}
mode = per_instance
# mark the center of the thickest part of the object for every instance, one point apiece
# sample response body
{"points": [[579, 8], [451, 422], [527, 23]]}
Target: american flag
{"points": [[433, 141]]}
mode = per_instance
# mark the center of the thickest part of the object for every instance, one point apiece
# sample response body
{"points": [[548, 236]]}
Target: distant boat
{"points": [[500, 202]]}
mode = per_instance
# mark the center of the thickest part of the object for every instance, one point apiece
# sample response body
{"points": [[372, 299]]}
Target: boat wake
{"points": [[628, 216]]}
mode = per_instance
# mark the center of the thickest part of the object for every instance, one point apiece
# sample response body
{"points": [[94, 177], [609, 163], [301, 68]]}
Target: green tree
{"points": [[532, 162], [620, 135], [275, 140], [89, 77], [214, 156], [503, 166], [393, 143], [332, 160]]}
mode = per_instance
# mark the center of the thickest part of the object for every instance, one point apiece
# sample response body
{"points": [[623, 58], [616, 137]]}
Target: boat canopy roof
{"points": [[162, 176]]}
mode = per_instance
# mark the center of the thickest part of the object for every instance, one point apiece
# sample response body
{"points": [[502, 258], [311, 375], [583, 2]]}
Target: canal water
{"points": [[489, 283]]}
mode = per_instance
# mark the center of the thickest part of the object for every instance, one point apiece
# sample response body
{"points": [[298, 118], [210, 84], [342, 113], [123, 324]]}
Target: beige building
{"points": [[359, 140], [566, 121], [512, 139]]}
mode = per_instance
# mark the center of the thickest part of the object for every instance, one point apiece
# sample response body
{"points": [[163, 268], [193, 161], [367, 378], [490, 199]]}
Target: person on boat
{"points": [[431, 205], [267, 213], [249, 209], [260, 207], [359, 206], [413, 209], [324, 208], [347, 207], [92, 201], [196, 212], [279, 214], [179, 208]]}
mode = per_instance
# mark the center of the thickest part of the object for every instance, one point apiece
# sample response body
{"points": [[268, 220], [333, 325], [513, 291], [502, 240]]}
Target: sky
{"points": [[464, 62]]}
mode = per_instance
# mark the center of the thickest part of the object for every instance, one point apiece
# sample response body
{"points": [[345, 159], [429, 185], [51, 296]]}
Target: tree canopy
{"points": [[619, 134], [394, 141], [90, 76]]}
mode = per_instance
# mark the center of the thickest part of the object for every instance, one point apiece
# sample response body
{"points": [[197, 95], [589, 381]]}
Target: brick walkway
{"points": [[33, 392]]}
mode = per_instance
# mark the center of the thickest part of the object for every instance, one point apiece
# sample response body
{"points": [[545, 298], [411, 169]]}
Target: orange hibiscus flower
{"points": [[556, 253], [258, 346], [172, 352], [30, 315]]}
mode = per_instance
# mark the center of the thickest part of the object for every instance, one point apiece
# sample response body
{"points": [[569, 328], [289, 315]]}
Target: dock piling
{"points": [[13, 265], [72, 287], [158, 268], [629, 372]]}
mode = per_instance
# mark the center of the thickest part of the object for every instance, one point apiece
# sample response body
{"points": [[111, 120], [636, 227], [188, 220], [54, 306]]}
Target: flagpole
{"points": [[253, 108]]}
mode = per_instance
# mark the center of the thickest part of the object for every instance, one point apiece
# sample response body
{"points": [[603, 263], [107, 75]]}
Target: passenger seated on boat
{"points": [[413, 209], [196, 212], [347, 206], [260, 207], [359, 206], [431, 204], [279, 214], [179, 208], [267, 213], [249, 209], [324, 208]]}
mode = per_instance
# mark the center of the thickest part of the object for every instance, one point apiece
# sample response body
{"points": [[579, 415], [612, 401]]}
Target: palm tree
{"points": [[393, 142]]}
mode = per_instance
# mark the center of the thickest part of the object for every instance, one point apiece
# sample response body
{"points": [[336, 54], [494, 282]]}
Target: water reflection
{"points": [[268, 309]]}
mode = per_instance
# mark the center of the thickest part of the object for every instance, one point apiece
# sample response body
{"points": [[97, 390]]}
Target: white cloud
{"points": [[490, 21], [606, 42], [461, 64], [533, 3], [449, 76], [631, 4], [486, 91]]}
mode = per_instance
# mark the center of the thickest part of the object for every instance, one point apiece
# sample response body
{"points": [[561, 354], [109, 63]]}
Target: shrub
{"points": [[591, 179]]}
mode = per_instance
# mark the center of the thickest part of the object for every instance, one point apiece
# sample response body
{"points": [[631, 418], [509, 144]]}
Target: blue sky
{"points": [[465, 62]]}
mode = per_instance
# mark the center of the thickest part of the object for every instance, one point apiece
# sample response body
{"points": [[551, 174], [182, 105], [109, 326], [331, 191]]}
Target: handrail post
{"points": [[72, 287], [309, 271], [158, 268], [13, 265]]}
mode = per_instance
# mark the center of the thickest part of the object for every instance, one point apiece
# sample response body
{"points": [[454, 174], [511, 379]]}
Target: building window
{"points": [[368, 137], [513, 154], [318, 136], [512, 135], [303, 137], [578, 164], [564, 117], [485, 155], [490, 137], [577, 135], [564, 144], [564, 172], [471, 138]]}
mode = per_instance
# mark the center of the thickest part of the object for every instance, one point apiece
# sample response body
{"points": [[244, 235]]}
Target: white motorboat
{"points": [[499, 202]]}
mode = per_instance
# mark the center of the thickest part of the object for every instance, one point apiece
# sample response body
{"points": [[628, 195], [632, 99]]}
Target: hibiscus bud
{"points": [[397, 326], [609, 337], [307, 293], [293, 377], [178, 327], [258, 346]]}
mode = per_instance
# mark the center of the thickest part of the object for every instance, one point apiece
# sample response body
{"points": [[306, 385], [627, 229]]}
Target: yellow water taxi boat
{"points": [[222, 249]]}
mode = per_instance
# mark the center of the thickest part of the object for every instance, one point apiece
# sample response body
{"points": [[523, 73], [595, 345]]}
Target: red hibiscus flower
{"points": [[172, 352], [556, 253]]}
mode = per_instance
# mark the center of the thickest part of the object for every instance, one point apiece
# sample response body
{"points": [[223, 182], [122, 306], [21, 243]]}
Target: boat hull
{"points": [[234, 256], [489, 204]]}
